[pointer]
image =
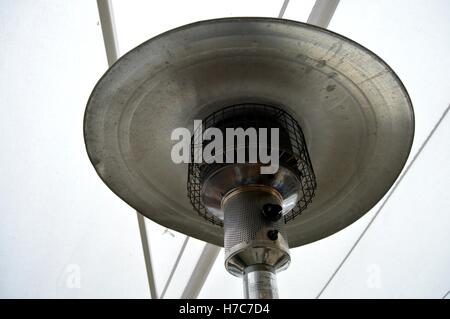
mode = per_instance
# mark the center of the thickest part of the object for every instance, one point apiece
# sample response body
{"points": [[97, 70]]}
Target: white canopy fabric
{"points": [[64, 234]]}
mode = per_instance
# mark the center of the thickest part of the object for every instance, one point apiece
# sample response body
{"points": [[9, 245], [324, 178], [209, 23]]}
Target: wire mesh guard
{"points": [[293, 153]]}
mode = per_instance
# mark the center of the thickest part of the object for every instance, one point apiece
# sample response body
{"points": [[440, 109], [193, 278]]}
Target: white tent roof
{"points": [[65, 234]]}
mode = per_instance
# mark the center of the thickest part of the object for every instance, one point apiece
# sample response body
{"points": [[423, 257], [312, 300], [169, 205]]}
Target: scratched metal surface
{"points": [[356, 115]]}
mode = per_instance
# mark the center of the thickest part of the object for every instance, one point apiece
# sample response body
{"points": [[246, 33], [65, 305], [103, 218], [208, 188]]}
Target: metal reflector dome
{"points": [[355, 114]]}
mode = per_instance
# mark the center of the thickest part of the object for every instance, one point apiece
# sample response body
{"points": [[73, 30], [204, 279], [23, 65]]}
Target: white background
{"points": [[63, 233]]}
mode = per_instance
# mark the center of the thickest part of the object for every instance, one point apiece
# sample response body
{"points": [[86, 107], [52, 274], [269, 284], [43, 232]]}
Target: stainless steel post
{"points": [[255, 242], [260, 283]]}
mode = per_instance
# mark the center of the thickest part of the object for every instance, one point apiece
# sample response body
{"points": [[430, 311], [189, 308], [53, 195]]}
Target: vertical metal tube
{"points": [[255, 240], [260, 283]]}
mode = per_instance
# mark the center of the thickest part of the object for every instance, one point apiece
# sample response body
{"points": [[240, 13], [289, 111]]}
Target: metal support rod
{"points": [[147, 256], [106, 15], [108, 29], [322, 12], [283, 9], [201, 271]]}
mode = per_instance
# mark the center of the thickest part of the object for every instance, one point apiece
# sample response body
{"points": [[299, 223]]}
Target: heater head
{"points": [[209, 181], [355, 114]]}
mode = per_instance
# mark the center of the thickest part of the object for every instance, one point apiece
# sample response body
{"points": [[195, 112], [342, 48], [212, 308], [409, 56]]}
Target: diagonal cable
{"points": [[174, 268], [399, 180], [445, 296]]}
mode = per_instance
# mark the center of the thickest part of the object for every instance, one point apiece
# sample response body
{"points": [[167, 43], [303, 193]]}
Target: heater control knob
{"points": [[272, 212], [272, 234]]}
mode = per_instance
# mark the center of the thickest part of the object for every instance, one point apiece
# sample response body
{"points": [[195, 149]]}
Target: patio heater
{"points": [[344, 121]]}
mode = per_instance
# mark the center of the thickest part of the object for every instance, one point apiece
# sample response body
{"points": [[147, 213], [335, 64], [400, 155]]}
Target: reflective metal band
{"points": [[252, 187], [260, 284]]}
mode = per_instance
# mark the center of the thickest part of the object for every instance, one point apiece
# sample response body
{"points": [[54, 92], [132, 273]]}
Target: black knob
{"points": [[272, 234], [272, 212]]}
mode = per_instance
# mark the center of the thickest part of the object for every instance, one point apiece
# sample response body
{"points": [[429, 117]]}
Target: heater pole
{"points": [[255, 239], [260, 283]]}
